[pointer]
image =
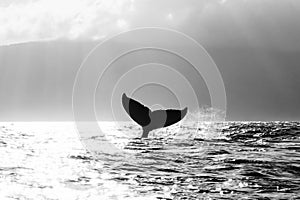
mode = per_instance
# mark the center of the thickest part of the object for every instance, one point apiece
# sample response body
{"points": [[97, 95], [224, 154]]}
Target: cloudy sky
{"points": [[255, 44]]}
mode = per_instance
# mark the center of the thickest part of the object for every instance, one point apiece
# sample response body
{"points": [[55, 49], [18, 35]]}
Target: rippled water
{"points": [[229, 160]]}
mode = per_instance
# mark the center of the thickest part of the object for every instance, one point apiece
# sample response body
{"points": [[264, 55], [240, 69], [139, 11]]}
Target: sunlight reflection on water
{"points": [[232, 160]]}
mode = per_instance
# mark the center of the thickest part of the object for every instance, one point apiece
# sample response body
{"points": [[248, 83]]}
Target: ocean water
{"points": [[228, 160]]}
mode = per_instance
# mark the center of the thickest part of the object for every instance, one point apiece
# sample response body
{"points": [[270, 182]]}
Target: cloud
{"points": [[35, 20], [72, 19], [217, 22]]}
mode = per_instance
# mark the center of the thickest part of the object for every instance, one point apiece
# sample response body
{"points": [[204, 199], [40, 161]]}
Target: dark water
{"points": [[235, 160]]}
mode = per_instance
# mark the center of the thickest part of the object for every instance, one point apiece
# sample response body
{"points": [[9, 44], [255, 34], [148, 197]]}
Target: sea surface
{"points": [[217, 160]]}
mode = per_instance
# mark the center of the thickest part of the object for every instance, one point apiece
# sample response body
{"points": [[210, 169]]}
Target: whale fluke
{"points": [[150, 120], [138, 112]]}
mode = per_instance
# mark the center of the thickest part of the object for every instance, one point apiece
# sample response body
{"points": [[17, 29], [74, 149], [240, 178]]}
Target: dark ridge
{"points": [[81, 157], [218, 152], [254, 174], [245, 161], [168, 170]]}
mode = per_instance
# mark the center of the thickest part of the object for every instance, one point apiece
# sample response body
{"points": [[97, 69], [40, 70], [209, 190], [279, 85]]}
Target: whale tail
{"points": [[150, 120], [138, 112]]}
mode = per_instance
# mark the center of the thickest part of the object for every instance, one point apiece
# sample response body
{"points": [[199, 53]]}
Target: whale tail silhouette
{"points": [[150, 120]]}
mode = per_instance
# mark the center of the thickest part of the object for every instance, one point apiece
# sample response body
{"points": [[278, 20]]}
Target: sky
{"points": [[254, 43]]}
